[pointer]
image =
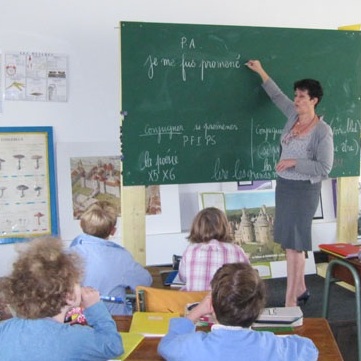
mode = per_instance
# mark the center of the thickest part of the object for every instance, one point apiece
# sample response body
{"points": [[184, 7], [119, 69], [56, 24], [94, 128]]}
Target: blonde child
{"points": [[109, 267]]}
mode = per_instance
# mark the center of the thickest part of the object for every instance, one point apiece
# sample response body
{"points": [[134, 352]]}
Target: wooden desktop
{"points": [[316, 329]]}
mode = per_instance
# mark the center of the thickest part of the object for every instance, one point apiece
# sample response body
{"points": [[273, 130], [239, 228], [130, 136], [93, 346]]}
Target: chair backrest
{"points": [[152, 299]]}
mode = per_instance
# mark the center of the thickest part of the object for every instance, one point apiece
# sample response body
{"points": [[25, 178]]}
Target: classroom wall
{"points": [[87, 31]]}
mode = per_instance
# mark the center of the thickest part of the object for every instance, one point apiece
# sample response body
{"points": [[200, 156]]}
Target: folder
{"points": [[151, 324], [342, 250], [130, 342]]}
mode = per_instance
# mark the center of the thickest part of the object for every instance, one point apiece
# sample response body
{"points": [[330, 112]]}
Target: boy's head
{"points": [[44, 279], [238, 294], [99, 219], [210, 223]]}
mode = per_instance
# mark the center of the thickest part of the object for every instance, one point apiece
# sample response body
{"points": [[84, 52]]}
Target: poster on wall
{"points": [[36, 76], [97, 178], [27, 184], [94, 179], [88, 172]]}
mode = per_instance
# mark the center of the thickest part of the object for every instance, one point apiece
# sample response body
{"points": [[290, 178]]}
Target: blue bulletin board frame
{"points": [[27, 184]]}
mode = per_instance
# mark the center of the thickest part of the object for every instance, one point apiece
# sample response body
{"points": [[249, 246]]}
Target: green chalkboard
{"points": [[193, 112]]}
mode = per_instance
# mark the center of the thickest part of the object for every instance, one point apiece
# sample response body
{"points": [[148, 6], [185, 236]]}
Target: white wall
{"points": [[86, 30]]}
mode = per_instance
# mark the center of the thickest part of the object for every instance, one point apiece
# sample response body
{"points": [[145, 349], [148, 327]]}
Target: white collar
{"points": [[218, 326]]}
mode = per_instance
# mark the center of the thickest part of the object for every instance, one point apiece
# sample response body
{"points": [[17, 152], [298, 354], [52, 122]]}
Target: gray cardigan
{"points": [[320, 150]]}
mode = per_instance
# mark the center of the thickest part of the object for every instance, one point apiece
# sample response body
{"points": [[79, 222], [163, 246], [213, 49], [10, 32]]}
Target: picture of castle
{"points": [[251, 218]]}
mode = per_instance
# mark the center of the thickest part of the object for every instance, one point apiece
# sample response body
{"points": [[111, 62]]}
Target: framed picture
{"points": [[213, 199], [244, 183], [28, 206], [254, 185]]}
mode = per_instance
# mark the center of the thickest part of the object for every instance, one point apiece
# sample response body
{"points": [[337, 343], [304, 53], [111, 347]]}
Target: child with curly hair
{"points": [[43, 286]]}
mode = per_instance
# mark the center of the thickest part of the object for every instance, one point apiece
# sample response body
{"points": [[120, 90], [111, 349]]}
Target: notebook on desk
{"points": [[151, 324], [342, 250], [130, 342], [279, 317]]}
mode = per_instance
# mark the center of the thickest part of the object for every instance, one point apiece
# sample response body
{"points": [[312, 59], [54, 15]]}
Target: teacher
{"points": [[306, 159]]}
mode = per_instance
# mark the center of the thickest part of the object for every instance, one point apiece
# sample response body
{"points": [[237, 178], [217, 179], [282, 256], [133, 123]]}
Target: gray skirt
{"points": [[296, 204]]}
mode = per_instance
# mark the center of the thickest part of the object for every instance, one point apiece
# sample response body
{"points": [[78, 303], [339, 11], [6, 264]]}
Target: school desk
{"points": [[343, 273], [316, 329]]}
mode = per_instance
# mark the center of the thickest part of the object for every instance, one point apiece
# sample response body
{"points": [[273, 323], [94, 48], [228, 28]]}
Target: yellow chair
{"points": [[153, 299]]}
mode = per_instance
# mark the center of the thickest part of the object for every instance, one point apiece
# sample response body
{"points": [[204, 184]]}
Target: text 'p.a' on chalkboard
{"points": [[195, 113]]}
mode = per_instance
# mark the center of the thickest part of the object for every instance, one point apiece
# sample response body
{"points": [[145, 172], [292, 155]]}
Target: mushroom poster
{"points": [[26, 184]]}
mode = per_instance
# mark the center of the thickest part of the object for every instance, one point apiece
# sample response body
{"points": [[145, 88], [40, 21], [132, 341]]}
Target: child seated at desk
{"points": [[236, 300], [210, 247], [43, 286], [109, 267]]}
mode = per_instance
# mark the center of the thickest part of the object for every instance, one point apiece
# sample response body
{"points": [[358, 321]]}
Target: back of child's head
{"points": [[210, 223], [43, 278], [238, 294], [99, 219]]}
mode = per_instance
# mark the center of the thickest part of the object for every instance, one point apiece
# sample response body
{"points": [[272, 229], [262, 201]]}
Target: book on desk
{"points": [[342, 250], [279, 317], [151, 324]]}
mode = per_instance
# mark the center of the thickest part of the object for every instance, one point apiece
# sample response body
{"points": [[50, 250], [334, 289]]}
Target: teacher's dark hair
{"points": [[313, 87]]}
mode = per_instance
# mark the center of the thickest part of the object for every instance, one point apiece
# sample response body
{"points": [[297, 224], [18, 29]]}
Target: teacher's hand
{"points": [[285, 164], [256, 66]]}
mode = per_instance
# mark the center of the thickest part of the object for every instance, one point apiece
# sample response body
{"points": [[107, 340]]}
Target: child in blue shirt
{"points": [[109, 268], [43, 286], [236, 300]]}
